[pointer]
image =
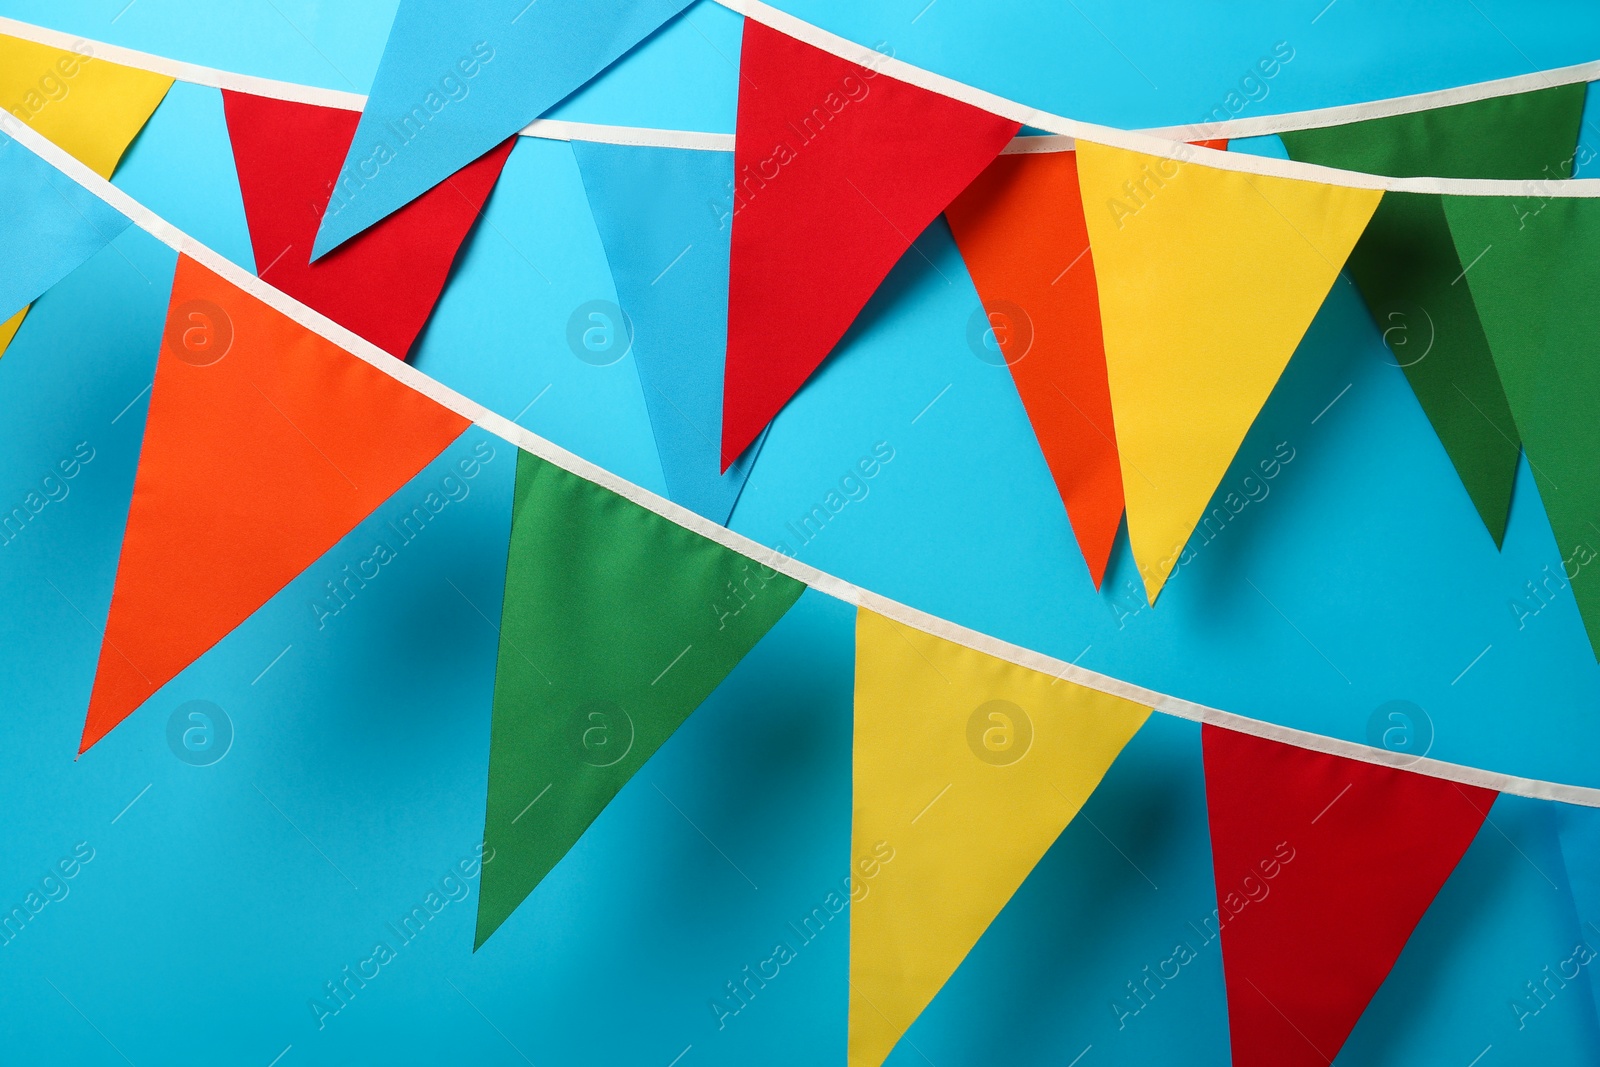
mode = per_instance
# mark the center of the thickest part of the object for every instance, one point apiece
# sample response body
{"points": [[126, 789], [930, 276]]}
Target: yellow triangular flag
{"points": [[967, 768], [90, 107], [1208, 279], [9, 328]]}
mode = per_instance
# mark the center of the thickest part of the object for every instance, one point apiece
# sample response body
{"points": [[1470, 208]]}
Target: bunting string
{"points": [[1169, 142], [896, 613]]}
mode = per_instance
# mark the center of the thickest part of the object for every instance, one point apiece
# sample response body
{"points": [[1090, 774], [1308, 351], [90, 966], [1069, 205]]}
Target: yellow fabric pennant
{"points": [[9, 328], [91, 108], [967, 768], [1208, 280]]}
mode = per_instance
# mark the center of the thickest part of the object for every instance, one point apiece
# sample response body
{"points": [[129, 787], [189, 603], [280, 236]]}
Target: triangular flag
{"points": [[50, 227], [838, 168], [1535, 272], [1407, 268], [668, 251], [1208, 280], [263, 446], [1324, 865], [1021, 232], [967, 768], [616, 625], [384, 284], [458, 79], [91, 108], [9, 328]]}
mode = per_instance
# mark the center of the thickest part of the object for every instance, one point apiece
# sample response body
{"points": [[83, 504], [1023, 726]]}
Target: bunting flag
{"points": [[1324, 865], [1021, 231], [616, 624], [263, 446], [9, 328], [837, 170], [458, 79], [1208, 279], [91, 108], [1410, 276], [1535, 270], [49, 227], [382, 285], [668, 253], [967, 768]]}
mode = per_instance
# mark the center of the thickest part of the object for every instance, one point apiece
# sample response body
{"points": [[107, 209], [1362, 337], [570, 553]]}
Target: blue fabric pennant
{"points": [[49, 226], [665, 218], [460, 76]]}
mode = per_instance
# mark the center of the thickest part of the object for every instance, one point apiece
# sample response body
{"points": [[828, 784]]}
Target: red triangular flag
{"points": [[837, 168], [263, 446], [382, 284], [1324, 865], [1021, 232]]}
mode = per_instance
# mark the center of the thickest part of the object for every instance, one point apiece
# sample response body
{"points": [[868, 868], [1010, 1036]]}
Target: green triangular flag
{"points": [[1410, 276], [1535, 281], [616, 625]]}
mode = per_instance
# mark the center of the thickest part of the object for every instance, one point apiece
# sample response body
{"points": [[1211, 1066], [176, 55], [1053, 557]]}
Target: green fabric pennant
{"points": [[616, 625], [1534, 282], [1406, 268], [1410, 276]]}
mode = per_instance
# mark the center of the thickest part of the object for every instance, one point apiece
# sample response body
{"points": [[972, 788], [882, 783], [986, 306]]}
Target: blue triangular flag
{"points": [[458, 78], [49, 226], [665, 218]]}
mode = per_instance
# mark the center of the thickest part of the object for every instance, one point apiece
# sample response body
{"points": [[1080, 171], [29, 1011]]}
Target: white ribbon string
{"points": [[838, 588], [1167, 142]]}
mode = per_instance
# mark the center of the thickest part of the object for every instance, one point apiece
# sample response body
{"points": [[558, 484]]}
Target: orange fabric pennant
{"points": [[1020, 229], [264, 445]]}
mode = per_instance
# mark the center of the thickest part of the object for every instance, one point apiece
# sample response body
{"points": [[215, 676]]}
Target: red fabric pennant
{"points": [[1021, 232], [382, 284], [1324, 866], [264, 445], [837, 169]]}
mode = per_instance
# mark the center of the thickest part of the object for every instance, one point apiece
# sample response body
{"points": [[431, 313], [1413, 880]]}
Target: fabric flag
{"points": [[263, 446], [383, 284], [967, 768], [458, 79], [9, 328], [49, 227], [616, 625], [1021, 232], [1208, 279], [89, 107], [1324, 865], [1411, 278], [1536, 270], [837, 170], [667, 244]]}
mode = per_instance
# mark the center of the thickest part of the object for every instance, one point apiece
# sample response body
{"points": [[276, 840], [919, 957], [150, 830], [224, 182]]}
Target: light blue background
{"points": [[223, 899]]}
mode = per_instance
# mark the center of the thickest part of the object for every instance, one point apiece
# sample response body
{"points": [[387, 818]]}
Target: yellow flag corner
{"points": [[88, 106]]}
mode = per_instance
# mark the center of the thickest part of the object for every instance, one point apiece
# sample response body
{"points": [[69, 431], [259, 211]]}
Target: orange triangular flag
{"points": [[264, 445], [1021, 231]]}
